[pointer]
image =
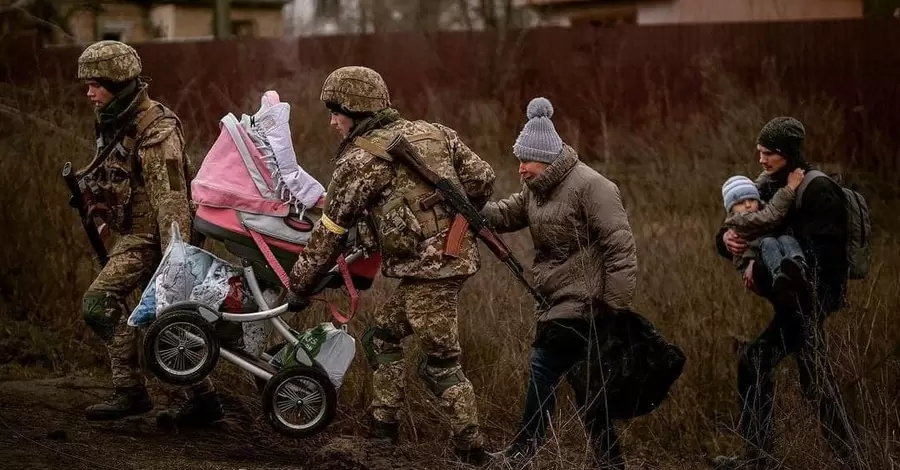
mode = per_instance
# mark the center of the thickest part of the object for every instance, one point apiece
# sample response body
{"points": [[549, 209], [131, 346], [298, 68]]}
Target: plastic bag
{"points": [[186, 272], [333, 348], [256, 333]]}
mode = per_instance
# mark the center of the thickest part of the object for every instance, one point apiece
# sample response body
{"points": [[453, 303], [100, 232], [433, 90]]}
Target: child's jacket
{"points": [[752, 225]]}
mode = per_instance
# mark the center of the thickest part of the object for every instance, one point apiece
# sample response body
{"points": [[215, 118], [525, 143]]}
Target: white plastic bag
{"points": [[333, 348], [186, 272], [256, 333]]}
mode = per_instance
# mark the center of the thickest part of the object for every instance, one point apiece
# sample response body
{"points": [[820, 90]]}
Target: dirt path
{"points": [[42, 426]]}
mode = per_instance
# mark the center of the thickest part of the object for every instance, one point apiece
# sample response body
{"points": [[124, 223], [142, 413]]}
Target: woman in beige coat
{"points": [[585, 265]]}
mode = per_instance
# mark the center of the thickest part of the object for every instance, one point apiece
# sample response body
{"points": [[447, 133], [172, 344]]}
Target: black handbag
{"points": [[636, 368]]}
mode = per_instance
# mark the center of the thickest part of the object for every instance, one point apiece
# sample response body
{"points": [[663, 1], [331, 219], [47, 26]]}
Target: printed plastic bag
{"points": [[333, 348], [256, 333], [186, 272]]}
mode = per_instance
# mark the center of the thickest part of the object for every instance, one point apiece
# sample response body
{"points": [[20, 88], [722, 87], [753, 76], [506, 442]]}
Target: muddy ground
{"points": [[42, 426]]}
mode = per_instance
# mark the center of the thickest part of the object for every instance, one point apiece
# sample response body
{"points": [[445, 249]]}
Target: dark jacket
{"points": [[820, 228]]}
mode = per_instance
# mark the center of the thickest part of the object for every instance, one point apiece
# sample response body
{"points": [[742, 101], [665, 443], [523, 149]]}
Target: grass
{"points": [[670, 173]]}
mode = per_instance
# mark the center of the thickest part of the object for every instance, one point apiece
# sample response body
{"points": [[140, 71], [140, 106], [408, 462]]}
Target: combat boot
{"points": [[125, 402], [381, 430], [200, 410]]}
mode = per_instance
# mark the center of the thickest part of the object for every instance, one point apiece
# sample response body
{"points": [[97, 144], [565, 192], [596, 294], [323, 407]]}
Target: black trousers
{"points": [[558, 347], [797, 328]]}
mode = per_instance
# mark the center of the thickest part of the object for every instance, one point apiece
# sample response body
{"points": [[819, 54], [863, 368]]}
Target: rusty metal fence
{"points": [[583, 70]]}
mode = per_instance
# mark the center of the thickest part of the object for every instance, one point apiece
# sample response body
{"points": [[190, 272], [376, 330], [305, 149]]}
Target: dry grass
{"points": [[669, 172]]}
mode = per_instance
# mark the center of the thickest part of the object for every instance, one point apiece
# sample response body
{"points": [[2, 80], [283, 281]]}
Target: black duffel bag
{"points": [[636, 370]]}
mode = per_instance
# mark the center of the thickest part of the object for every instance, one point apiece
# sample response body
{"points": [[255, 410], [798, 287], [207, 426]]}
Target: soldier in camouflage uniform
{"points": [[412, 231], [136, 186]]}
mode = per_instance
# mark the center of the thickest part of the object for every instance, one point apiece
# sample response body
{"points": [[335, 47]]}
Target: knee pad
{"points": [[433, 372], [97, 309], [380, 354]]}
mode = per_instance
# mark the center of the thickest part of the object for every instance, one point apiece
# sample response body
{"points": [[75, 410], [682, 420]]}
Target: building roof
{"points": [[538, 3], [212, 3]]}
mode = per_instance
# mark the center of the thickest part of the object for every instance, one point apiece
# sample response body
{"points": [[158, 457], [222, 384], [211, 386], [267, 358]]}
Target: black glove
{"points": [[297, 303]]}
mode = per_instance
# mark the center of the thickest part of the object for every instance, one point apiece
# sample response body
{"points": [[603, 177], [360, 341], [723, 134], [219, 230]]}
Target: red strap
{"points": [[351, 289], [270, 258], [282, 275]]}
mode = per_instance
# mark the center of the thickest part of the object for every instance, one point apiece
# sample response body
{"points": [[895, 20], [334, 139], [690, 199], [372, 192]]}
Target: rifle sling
{"points": [[432, 200], [373, 148]]}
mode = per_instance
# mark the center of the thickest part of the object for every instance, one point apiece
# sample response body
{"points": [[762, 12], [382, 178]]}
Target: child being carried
{"points": [[760, 224]]}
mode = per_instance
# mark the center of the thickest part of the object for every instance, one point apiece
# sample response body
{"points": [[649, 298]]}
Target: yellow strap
{"points": [[372, 148], [332, 227]]}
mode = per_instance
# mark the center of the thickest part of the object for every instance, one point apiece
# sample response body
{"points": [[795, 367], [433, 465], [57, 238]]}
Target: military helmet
{"points": [[356, 89], [110, 60]]}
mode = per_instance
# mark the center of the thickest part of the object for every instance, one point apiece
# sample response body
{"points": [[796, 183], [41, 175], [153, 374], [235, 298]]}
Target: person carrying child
{"points": [[800, 307], [758, 223]]}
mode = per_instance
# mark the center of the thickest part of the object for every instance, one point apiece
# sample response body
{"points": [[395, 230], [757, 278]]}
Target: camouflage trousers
{"points": [[105, 312], [428, 309]]}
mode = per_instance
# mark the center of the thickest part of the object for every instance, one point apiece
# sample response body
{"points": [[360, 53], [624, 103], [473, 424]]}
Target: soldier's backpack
{"points": [[859, 225]]}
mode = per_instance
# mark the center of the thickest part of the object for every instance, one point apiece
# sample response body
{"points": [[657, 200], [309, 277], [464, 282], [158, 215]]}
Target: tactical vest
{"points": [[114, 185], [412, 213]]}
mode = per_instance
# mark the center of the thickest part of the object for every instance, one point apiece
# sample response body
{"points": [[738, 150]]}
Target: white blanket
{"points": [[270, 130]]}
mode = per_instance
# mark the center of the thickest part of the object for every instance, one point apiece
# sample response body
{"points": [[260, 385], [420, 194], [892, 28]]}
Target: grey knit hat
{"points": [[737, 189], [538, 141], [784, 136]]}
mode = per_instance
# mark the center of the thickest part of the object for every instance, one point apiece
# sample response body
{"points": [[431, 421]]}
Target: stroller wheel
{"points": [[181, 347], [299, 401]]}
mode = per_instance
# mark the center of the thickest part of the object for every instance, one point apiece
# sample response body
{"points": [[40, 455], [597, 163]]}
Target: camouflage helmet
{"points": [[356, 89], [110, 60]]}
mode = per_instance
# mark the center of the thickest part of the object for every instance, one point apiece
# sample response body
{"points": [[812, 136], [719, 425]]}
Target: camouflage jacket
{"points": [[141, 183], [411, 237]]}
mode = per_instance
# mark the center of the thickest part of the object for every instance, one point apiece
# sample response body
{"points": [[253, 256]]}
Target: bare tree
{"points": [[49, 19]]}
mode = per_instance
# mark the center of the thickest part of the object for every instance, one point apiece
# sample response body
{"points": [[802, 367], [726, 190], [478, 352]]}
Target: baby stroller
{"points": [[254, 198]]}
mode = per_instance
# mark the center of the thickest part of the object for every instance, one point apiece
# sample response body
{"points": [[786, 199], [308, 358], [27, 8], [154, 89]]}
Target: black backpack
{"points": [[637, 367]]}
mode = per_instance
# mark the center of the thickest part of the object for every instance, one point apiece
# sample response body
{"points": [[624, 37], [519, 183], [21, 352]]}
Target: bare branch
{"points": [[16, 6], [22, 117], [464, 12], [32, 11]]}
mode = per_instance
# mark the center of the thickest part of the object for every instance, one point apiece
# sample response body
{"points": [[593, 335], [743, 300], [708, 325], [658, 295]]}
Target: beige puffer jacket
{"points": [[585, 257]]}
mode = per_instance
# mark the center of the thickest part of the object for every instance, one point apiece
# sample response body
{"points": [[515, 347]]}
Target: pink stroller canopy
{"points": [[234, 176]]}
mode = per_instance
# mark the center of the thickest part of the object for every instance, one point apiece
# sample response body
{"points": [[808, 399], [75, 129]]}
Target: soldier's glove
{"points": [[297, 303]]}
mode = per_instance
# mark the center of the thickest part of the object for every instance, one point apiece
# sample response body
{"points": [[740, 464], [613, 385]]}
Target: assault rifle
{"points": [[401, 150], [77, 201]]}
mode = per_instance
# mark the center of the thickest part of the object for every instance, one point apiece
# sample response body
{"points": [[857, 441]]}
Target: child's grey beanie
{"points": [[738, 188]]}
